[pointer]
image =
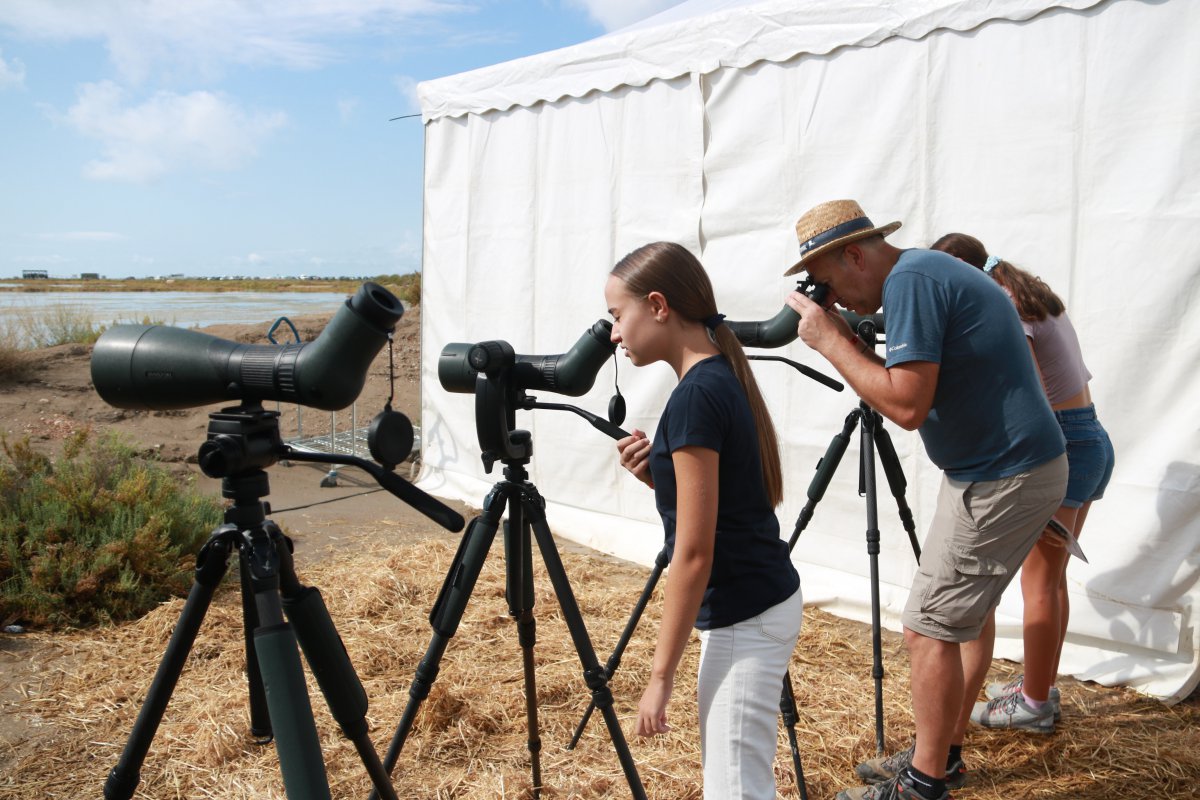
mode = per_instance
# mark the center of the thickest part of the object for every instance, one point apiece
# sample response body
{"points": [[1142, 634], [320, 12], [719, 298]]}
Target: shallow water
{"points": [[182, 309]]}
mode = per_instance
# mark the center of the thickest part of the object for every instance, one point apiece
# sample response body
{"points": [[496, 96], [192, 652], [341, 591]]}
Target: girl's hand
{"points": [[634, 451], [652, 708]]}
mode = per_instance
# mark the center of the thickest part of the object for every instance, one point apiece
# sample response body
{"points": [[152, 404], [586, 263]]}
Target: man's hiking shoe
{"points": [[1017, 685], [884, 768], [1011, 711], [897, 788]]}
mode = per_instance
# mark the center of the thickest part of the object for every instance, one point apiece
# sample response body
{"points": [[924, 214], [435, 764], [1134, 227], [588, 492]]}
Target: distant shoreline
{"points": [[347, 285]]}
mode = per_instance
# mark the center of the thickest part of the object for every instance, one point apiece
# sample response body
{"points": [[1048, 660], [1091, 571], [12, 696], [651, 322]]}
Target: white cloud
{"points": [[408, 90], [166, 132], [144, 36], [346, 107], [613, 14], [12, 73]]}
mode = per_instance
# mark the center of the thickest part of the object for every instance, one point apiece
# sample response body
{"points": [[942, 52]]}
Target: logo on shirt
{"points": [[894, 348]]}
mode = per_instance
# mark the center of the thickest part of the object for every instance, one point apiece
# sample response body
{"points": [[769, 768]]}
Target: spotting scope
{"points": [[780, 329], [162, 367], [571, 373]]}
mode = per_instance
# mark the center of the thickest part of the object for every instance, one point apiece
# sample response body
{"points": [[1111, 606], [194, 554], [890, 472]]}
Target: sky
{"points": [[256, 138]]}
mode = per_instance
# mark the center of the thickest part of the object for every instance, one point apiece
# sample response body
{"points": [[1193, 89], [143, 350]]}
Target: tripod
{"points": [[873, 438], [526, 512], [241, 443]]}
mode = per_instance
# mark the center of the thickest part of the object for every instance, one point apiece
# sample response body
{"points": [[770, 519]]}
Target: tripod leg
{"points": [[787, 710], [211, 564], [614, 661], [330, 665], [896, 482], [260, 717], [593, 674], [867, 485], [296, 739], [518, 556], [447, 613], [825, 469]]}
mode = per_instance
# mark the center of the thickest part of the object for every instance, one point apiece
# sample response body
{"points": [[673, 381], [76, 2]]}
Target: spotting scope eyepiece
{"points": [[162, 367], [781, 328], [571, 373]]}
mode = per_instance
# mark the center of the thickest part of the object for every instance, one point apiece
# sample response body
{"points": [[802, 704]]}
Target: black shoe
{"points": [[897, 788], [884, 768]]}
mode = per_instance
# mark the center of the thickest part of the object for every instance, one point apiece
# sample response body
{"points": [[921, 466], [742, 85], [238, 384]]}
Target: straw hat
{"points": [[831, 224]]}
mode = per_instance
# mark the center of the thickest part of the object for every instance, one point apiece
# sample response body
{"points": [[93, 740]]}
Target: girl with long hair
{"points": [[715, 471], [1031, 701]]}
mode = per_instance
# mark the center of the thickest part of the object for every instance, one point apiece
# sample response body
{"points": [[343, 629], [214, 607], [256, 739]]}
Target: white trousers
{"points": [[739, 683]]}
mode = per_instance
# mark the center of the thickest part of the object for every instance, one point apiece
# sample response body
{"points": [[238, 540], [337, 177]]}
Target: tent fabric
{"points": [[701, 37], [1066, 144]]}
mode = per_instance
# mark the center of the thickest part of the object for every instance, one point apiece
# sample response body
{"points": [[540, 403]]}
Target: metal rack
{"points": [[351, 441]]}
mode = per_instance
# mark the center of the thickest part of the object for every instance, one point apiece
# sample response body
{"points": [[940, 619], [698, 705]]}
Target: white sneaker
{"points": [[1011, 711], [1016, 686]]}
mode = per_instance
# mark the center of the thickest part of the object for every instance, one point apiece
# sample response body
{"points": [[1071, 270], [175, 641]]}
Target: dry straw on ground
{"points": [[469, 740]]}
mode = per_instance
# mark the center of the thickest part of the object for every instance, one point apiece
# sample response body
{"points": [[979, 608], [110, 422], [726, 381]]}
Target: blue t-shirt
{"points": [[990, 418], [752, 569]]}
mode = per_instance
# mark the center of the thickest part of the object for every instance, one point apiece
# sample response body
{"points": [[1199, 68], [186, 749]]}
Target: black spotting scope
{"points": [[774, 332], [571, 373], [162, 367], [780, 329]]}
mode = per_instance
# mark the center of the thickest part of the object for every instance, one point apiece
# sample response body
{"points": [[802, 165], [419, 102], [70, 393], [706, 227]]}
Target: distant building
{"points": [[34, 274]]}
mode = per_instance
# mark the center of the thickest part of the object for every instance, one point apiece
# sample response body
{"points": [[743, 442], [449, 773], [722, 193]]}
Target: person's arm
{"points": [[634, 453], [903, 393], [696, 475]]}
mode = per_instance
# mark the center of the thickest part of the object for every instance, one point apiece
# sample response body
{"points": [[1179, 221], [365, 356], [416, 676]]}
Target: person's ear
{"points": [[658, 305], [853, 256]]}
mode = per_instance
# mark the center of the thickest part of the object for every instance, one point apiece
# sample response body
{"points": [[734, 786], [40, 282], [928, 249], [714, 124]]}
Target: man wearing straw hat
{"points": [[958, 371]]}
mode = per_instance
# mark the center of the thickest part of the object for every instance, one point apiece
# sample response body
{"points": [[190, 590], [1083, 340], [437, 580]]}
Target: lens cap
{"points": [[390, 438]]}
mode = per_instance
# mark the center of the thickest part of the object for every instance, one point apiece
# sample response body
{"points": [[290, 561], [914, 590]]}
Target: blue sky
{"points": [[239, 137]]}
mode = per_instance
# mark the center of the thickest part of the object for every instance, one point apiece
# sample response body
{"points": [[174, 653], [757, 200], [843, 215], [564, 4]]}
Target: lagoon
{"points": [[182, 309]]}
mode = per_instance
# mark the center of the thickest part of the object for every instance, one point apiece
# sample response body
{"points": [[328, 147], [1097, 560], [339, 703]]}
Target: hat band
{"points": [[836, 232]]}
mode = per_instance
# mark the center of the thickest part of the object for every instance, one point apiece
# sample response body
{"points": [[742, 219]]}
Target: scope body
{"points": [[780, 329], [162, 367], [571, 373], [499, 377]]}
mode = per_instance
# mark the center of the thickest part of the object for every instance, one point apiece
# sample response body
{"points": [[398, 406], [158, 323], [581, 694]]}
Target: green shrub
{"points": [[50, 325], [406, 287], [15, 364], [98, 535], [65, 324]]}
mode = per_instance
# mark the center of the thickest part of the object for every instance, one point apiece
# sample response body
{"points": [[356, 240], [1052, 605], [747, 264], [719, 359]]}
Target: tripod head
{"points": [[243, 441]]}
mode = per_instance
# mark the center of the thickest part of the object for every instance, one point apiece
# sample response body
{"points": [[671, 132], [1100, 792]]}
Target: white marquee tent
{"points": [[1065, 135]]}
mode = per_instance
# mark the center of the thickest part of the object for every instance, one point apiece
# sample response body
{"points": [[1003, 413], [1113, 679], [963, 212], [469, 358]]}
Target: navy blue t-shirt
{"points": [[990, 418], [752, 570]]}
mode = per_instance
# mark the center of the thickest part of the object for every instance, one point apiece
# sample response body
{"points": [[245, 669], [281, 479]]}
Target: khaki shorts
{"points": [[980, 535]]}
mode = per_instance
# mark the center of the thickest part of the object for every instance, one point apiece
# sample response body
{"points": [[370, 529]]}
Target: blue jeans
{"points": [[1090, 455], [739, 683]]}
